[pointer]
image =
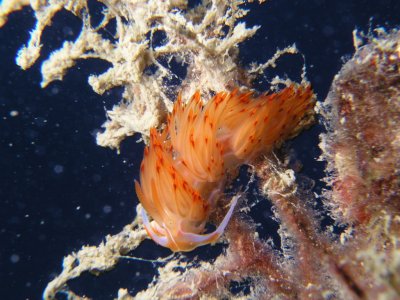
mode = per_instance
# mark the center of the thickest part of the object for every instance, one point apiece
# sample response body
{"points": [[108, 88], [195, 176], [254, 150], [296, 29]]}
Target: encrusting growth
{"points": [[184, 168]]}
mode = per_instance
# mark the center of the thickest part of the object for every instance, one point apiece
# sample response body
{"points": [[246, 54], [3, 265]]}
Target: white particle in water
{"points": [[58, 169], [55, 90], [107, 209], [14, 258], [14, 113]]}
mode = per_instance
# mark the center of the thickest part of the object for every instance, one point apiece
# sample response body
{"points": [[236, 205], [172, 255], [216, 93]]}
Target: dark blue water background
{"points": [[59, 190]]}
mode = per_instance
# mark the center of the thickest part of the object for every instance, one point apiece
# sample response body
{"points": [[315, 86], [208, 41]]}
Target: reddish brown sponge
{"points": [[363, 143]]}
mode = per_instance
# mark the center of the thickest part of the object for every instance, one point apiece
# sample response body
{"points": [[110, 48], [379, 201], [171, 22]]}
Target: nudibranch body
{"points": [[184, 167]]}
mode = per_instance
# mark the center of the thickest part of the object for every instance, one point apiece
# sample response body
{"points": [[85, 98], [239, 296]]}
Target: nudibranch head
{"points": [[178, 210], [185, 165]]}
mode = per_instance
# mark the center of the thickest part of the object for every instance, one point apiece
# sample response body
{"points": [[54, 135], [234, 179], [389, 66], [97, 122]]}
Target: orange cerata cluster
{"points": [[184, 168]]}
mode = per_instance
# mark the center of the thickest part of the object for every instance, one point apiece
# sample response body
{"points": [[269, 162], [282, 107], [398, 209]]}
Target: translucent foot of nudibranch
{"points": [[179, 240]]}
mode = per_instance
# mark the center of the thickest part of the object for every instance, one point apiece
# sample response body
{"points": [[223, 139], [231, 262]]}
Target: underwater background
{"points": [[60, 191]]}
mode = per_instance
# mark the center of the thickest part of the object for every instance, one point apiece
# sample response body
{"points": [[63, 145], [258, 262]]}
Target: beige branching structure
{"points": [[203, 39], [361, 148]]}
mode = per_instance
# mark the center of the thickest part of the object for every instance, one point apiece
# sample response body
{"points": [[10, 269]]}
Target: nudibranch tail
{"points": [[266, 120], [186, 164]]}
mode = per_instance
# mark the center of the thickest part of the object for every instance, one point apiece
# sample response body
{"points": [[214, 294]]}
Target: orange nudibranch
{"points": [[184, 167]]}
